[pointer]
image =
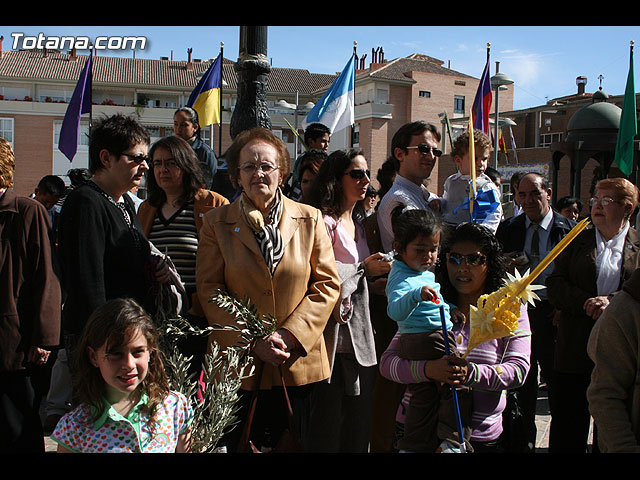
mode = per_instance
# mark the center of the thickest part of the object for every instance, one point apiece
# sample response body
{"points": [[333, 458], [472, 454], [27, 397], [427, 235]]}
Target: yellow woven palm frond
{"points": [[496, 314]]}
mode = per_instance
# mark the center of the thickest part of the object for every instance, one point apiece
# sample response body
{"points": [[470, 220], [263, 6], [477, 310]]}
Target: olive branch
{"points": [[214, 397]]}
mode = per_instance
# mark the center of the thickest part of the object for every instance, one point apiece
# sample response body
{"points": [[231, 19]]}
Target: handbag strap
{"points": [[243, 444], [286, 397]]}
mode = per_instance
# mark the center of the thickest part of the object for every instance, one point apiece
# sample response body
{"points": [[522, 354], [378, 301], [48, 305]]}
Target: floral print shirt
{"points": [[113, 433]]}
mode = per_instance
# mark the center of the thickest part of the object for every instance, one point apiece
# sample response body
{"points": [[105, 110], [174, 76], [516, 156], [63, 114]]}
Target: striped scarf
{"points": [[267, 233]]}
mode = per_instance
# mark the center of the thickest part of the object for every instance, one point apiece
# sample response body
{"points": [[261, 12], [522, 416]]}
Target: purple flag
{"points": [[80, 103], [482, 102]]}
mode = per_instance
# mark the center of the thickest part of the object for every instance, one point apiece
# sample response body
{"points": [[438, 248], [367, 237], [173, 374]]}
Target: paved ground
{"points": [[542, 422]]}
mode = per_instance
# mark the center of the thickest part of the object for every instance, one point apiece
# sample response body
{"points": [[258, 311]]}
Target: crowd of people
{"points": [[372, 291]]}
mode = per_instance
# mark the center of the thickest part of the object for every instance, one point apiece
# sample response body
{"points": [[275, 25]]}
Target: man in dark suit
{"points": [[527, 239]]}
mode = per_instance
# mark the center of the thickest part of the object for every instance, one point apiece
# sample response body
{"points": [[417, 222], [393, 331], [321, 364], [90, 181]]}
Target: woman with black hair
{"points": [[187, 127], [341, 408], [569, 207], [102, 249], [470, 264], [171, 218]]}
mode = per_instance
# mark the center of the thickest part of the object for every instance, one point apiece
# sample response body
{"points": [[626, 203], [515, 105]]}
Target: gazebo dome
{"points": [[596, 119]]}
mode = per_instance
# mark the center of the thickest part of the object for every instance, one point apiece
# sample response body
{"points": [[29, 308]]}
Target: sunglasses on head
{"points": [[472, 259], [424, 149], [358, 173]]}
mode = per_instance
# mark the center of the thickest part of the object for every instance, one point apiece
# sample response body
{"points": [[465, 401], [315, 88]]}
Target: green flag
{"points": [[628, 128]]}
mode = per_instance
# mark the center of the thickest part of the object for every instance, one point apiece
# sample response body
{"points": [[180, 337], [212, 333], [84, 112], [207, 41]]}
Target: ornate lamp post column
{"points": [[252, 69]]}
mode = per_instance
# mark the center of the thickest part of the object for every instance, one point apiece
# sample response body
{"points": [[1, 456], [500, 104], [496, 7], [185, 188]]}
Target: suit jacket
{"points": [[571, 283], [204, 201], [29, 288], [512, 232], [301, 294]]}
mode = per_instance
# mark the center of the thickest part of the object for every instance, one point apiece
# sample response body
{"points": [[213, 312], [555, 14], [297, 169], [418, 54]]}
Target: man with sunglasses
{"points": [[518, 237], [414, 148], [414, 151]]}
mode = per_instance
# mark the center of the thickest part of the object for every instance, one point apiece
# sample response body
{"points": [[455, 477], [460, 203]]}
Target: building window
{"points": [[458, 104], [6, 130], [382, 95], [425, 94], [547, 139], [83, 137]]}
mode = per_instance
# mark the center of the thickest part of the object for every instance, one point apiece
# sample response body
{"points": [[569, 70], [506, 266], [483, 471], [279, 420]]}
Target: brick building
{"points": [[36, 86], [539, 131]]}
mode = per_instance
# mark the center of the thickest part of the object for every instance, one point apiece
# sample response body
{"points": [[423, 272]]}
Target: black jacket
{"points": [[100, 256], [512, 232]]}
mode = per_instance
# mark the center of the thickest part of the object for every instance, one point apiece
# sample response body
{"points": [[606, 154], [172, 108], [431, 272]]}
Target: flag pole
{"points": [[355, 67], [220, 99], [472, 167], [91, 93], [454, 392]]}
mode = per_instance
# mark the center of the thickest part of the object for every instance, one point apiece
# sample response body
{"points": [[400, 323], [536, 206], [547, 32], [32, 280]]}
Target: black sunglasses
{"points": [[137, 158], [473, 259], [358, 173], [424, 149]]}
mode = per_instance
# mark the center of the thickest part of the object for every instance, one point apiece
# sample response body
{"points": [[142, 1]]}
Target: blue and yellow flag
{"points": [[205, 98]]}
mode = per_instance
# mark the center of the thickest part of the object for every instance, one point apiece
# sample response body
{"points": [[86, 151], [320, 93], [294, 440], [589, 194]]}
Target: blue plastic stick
{"points": [[454, 392]]}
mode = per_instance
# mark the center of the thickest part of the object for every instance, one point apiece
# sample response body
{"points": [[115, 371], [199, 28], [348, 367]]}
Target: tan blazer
{"points": [[203, 201], [301, 295]]}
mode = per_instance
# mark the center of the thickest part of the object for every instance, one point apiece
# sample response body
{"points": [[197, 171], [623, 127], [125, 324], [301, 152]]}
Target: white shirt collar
{"points": [[544, 223], [406, 183]]}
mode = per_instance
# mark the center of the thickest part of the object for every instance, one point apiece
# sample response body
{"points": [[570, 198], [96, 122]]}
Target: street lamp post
{"points": [[497, 81], [252, 68]]}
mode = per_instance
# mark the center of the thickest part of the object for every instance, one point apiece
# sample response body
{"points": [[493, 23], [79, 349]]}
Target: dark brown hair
{"points": [[116, 323], [187, 161]]}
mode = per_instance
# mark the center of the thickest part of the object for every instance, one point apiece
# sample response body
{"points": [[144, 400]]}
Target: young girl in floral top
{"points": [[125, 404]]}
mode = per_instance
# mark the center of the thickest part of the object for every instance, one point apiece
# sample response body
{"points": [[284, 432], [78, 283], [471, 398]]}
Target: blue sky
{"points": [[544, 61]]}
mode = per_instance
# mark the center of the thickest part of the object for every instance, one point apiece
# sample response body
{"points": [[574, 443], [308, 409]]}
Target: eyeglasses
{"points": [[472, 259], [139, 158], [358, 173], [250, 168], [424, 149], [604, 201], [169, 164]]}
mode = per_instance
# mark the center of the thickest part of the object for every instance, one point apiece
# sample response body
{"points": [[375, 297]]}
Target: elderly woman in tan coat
{"points": [[277, 253]]}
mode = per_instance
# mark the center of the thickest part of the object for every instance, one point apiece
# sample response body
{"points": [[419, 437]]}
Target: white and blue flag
{"points": [[335, 108]]}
